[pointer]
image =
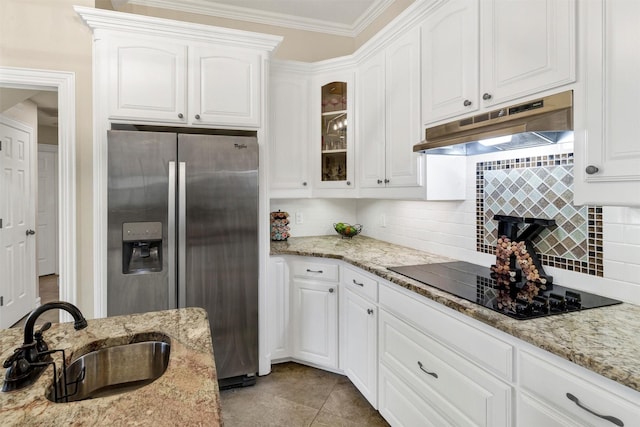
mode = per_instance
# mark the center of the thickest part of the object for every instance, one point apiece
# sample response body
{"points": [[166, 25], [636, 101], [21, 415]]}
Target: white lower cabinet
{"points": [[533, 413], [459, 391], [360, 340], [315, 322], [566, 392], [401, 406]]}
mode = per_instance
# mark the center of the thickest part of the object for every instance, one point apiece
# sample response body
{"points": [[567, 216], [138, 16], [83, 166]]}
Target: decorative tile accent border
{"points": [[540, 186]]}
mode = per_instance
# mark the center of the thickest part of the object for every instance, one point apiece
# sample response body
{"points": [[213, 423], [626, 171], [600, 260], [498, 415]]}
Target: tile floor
{"points": [[48, 292], [295, 395]]}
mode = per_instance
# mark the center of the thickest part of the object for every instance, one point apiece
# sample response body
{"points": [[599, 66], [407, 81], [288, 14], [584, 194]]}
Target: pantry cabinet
{"points": [[525, 47], [289, 135], [607, 163], [389, 116]]}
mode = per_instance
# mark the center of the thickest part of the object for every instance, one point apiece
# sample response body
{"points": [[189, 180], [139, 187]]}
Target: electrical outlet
{"points": [[383, 220], [299, 218]]}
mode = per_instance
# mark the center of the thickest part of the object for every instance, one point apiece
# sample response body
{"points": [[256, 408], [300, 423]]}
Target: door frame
{"points": [[64, 83]]}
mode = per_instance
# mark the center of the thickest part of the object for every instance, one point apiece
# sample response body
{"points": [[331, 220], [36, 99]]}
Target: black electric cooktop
{"points": [[524, 300]]}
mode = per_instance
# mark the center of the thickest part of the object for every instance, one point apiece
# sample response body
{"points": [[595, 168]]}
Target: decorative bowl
{"points": [[347, 230]]}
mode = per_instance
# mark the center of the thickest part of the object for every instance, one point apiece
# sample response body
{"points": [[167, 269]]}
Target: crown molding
{"points": [[99, 19], [204, 7]]}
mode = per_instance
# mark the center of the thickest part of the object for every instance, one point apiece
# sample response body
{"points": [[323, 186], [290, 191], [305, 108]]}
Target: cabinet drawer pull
{"points": [[433, 374], [486, 96], [197, 116], [609, 418], [466, 103], [358, 283], [314, 271], [369, 311]]}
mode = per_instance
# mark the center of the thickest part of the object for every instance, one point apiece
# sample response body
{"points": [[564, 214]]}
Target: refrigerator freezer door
{"points": [[138, 190], [222, 244]]}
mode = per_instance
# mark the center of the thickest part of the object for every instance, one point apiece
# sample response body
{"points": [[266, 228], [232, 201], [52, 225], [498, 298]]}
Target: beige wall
{"points": [[298, 45], [387, 16], [47, 34], [306, 46]]}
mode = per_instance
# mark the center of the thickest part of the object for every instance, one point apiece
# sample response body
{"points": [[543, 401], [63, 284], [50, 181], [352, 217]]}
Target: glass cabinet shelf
{"points": [[334, 131]]}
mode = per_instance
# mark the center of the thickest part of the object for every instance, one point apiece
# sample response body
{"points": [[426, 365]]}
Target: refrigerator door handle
{"points": [[171, 230], [182, 235]]}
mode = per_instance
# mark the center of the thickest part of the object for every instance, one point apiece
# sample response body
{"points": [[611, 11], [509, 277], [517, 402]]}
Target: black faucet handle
{"points": [[18, 354], [45, 327]]}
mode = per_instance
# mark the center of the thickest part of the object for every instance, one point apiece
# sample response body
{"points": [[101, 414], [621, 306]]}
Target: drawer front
{"points": [[464, 393], [315, 270], [401, 407], [550, 383], [490, 352], [360, 284]]}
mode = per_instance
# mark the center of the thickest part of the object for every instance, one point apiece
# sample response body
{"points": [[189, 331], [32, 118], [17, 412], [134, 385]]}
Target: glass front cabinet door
{"points": [[336, 135]]}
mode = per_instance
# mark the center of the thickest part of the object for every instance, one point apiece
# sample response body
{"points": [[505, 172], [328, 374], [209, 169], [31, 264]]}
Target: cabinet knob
{"points": [[369, 311], [386, 181], [379, 181], [348, 182], [304, 183], [197, 116], [180, 115], [486, 96], [330, 290], [466, 103], [591, 169]]}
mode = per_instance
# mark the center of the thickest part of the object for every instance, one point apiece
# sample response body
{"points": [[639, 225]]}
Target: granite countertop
{"points": [[186, 394], [604, 340]]}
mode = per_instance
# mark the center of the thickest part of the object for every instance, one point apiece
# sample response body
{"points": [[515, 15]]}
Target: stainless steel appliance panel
{"points": [[220, 247], [138, 191]]}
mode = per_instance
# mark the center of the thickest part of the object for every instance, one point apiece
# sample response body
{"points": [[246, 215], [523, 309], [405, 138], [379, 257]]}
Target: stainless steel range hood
{"points": [[543, 121]]}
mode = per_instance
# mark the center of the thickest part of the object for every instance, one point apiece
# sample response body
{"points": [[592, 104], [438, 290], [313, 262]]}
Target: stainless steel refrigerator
{"points": [[183, 232]]}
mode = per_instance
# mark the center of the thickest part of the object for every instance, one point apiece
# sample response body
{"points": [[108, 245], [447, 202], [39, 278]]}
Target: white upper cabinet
{"points": [[450, 61], [161, 71], [403, 129], [525, 47], [225, 86], [607, 169], [332, 106], [371, 116], [388, 116], [148, 80], [289, 136]]}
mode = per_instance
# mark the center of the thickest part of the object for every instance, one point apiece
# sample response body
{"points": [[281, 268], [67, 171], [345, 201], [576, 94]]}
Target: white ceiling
{"points": [[341, 17]]}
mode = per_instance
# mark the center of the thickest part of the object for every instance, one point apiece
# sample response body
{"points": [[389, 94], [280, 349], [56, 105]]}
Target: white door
{"points": [[17, 213], [47, 232]]}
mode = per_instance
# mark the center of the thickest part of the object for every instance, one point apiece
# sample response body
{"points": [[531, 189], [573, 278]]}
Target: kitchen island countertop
{"points": [[186, 394], [604, 340]]}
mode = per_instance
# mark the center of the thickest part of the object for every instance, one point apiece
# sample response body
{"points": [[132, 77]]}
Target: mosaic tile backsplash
{"points": [[540, 187]]}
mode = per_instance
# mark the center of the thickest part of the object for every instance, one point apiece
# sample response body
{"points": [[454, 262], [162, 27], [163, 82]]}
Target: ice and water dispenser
{"points": [[141, 247]]}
